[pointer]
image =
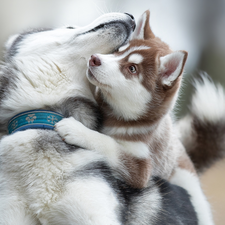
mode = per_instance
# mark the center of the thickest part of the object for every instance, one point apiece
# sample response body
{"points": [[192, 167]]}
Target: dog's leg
{"points": [[190, 182], [85, 201], [75, 133]]}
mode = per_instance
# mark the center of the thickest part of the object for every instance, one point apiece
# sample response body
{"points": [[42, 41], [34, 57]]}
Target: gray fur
{"points": [[15, 45], [7, 83]]}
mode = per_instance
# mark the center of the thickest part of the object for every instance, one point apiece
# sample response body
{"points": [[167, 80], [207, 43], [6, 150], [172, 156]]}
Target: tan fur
{"points": [[184, 162], [139, 169]]}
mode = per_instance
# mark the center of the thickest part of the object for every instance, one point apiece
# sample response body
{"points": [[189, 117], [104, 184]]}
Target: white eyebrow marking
{"points": [[135, 58], [135, 48], [122, 48]]}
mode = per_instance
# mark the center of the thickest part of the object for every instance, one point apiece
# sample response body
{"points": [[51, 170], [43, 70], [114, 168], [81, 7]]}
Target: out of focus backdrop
{"points": [[195, 26]]}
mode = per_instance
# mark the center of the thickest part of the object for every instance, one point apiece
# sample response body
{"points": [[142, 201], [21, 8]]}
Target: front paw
{"points": [[70, 130]]}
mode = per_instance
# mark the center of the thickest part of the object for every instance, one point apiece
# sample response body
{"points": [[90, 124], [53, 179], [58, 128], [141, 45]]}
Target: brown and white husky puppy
{"points": [[136, 89]]}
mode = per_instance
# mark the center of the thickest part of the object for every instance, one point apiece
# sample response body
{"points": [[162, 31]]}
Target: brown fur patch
{"points": [[139, 170], [184, 162]]}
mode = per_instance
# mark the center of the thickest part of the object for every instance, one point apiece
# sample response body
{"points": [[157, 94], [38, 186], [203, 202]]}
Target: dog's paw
{"points": [[71, 131]]}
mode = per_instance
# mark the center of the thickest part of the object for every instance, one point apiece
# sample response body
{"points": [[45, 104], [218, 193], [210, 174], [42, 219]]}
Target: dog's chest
{"points": [[37, 163]]}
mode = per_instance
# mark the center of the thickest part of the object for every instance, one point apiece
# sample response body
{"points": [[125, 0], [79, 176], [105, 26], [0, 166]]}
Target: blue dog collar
{"points": [[34, 119]]}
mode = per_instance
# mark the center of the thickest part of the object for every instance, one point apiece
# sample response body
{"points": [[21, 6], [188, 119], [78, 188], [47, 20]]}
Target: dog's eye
{"points": [[133, 69], [70, 27]]}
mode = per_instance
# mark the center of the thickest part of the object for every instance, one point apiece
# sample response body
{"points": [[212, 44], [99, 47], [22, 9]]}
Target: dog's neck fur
{"points": [[77, 100], [148, 128]]}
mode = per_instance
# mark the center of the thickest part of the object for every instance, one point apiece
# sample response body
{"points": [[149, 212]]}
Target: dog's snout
{"points": [[94, 61], [133, 20]]}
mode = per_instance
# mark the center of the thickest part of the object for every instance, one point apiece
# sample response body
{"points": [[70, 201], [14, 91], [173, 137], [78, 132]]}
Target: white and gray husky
{"points": [[43, 180]]}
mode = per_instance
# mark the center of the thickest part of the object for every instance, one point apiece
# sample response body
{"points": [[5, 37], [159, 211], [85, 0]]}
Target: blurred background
{"points": [[195, 26]]}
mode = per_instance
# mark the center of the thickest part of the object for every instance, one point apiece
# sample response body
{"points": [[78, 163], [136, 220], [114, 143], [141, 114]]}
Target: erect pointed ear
{"points": [[143, 30], [171, 66], [10, 41]]}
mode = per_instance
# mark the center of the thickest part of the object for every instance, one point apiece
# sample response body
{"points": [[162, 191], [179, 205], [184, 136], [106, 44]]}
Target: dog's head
{"points": [[104, 35], [142, 78], [43, 67]]}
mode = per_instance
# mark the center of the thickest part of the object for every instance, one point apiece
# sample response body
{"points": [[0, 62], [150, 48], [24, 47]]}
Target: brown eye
{"points": [[132, 69]]}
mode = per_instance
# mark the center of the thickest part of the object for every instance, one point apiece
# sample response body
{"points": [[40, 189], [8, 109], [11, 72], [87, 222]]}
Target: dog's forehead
{"points": [[132, 53], [140, 51]]}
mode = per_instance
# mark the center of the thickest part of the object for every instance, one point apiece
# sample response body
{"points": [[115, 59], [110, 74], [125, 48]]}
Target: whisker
{"points": [[98, 8]]}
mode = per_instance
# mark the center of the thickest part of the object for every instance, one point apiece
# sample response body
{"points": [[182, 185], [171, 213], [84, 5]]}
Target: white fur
{"points": [[137, 149], [13, 208], [79, 207], [118, 89], [208, 102], [125, 107], [127, 130], [190, 182], [139, 30], [124, 47], [135, 58], [28, 176]]}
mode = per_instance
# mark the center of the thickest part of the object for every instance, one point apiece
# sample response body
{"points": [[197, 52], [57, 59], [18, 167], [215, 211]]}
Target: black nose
{"points": [[132, 19], [131, 16]]}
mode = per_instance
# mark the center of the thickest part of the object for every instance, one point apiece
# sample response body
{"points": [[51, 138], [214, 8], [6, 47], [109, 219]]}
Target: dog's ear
{"points": [[143, 29], [10, 41], [171, 67]]}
